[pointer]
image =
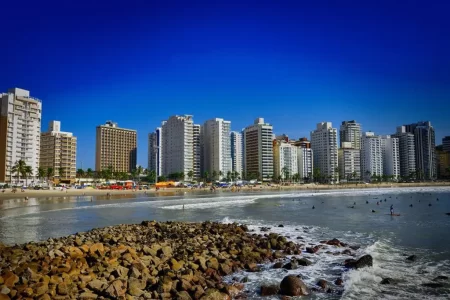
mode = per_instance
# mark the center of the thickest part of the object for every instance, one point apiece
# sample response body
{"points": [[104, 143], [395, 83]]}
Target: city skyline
{"points": [[294, 64]]}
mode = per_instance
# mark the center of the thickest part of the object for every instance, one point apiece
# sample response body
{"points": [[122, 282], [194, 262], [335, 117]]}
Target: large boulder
{"points": [[293, 286], [213, 294], [364, 261], [304, 262], [269, 290], [411, 258]]}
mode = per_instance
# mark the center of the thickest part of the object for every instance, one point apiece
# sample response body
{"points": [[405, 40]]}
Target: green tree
{"points": [[28, 173], [139, 172], [162, 178], [220, 175], [151, 176], [61, 173], [190, 175], [229, 176], [317, 175], [89, 173], [19, 168], [206, 176], [41, 173], [80, 173], [214, 175], [49, 173]]}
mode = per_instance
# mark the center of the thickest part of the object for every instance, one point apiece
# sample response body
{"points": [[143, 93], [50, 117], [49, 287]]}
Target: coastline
{"points": [[114, 194]]}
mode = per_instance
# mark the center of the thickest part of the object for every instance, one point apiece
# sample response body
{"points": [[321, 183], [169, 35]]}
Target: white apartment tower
{"points": [[155, 151], [305, 163], [285, 159], [350, 131], [217, 147], [371, 156], [236, 152], [178, 145], [198, 152], [20, 132], [407, 152], [349, 162], [391, 156], [324, 145], [258, 150]]}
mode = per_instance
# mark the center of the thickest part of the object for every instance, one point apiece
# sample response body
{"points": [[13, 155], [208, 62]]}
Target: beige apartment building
{"points": [[20, 130], [116, 148], [59, 152]]}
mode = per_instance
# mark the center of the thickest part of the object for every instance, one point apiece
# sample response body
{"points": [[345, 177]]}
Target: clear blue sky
{"points": [[295, 63]]}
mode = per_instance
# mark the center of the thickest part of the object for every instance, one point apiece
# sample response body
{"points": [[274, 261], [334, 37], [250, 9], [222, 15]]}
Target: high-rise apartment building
{"points": [[407, 152], [349, 162], [424, 141], [302, 143], [20, 132], [155, 152], [237, 152], [59, 152], [178, 145], [391, 156], [371, 156], [350, 131], [443, 164], [446, 144], [116, 148], [305, 163], [217, 147], [198, 151], [324, 145], [258, 150], [285, 159]]}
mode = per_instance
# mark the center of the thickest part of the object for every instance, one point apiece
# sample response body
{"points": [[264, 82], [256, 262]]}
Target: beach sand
{"points": [[174, 191]]}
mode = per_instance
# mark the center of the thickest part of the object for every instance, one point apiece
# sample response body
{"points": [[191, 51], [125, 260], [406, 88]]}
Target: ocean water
{"points": [[422, 230]]}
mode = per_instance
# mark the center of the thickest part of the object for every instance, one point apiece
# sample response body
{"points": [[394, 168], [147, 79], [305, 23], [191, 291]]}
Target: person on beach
{"points": [[392, 209]]}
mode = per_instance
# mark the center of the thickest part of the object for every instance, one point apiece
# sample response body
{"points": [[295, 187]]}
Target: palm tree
{"points": [[139, 172], [61, 172], [80, 173], [19, 168], [41, 173], [229, 176], [316, 174], [28, 173], [89, 173], [190, 175], [206, 175], [284, 172], [49, 173], [214, 174], [220, 174]]}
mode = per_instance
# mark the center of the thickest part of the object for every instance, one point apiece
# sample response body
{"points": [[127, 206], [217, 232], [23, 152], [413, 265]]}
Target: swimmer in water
{"points": [[392, 209], [313, 207]]}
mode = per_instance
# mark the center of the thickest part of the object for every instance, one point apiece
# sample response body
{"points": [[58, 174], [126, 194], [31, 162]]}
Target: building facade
{"points": [[59, 152], [237, 152], [285, 162], [258, 150], [391, 156], [443, 158], [349, 162], [20, 132], [116, 148], [324, 145], [407, 152], [446, 144], [305, 163], [350, 132], [217, 147], [198, 151], [302, 143], [371, 156], [178, 145], [424, 141], [155, 151]]}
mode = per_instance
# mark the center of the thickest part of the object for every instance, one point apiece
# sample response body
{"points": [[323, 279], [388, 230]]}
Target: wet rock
{"points": [[281, 225], [278, 265], [293, 286], [364, 261], [433, 285], [304, 262], [387, 281], [333, 242], [292, 265], [411, 258], [269, 290], [346, 252], [338, 281], [322, 284]]}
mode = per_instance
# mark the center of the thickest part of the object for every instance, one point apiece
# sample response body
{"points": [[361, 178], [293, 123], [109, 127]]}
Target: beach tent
{"points": [[165, 184]]}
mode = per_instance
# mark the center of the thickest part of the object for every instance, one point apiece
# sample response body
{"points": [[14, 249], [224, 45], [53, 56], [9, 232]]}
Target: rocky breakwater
{"points": [[147, 261]]}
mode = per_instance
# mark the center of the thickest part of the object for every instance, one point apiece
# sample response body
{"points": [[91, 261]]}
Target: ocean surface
{"points": [[422, 230]]}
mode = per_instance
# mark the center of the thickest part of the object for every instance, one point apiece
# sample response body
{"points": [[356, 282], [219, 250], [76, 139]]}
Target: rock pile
{"points": [[152, 260]]}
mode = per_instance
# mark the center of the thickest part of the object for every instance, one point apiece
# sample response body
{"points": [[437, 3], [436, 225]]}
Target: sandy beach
{"points": [[8, 194]]}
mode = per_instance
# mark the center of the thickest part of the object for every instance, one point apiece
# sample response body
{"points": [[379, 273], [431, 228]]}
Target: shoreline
{"points": [[157, 260], [115, 194]]}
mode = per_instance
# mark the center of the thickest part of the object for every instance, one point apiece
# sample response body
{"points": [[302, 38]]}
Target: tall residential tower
{"points": [[324, 145], [217, 147]]}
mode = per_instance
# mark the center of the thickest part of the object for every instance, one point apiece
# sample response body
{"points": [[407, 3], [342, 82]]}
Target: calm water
{"points": [[422, 230]]}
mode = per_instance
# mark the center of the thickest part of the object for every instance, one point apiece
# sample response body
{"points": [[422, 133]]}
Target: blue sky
{"points": [[295, 63]]}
